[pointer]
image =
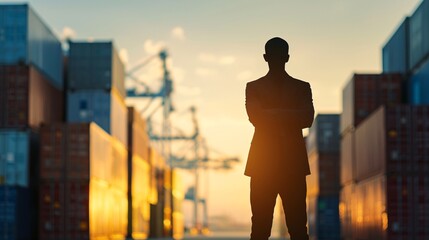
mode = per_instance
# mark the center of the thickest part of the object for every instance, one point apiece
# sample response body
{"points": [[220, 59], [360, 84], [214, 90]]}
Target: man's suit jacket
{"points": [[279, 110]]}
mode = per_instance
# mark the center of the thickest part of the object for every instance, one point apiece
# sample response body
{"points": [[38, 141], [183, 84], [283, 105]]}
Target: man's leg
{"points": [[262, 200], [293, 194]]}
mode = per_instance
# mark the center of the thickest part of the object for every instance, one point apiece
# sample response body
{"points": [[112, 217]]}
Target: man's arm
{"points": [[301, 117], [253, 106]]}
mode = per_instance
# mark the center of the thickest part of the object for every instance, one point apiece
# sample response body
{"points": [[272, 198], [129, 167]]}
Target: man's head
{"points": [[276, 51]]}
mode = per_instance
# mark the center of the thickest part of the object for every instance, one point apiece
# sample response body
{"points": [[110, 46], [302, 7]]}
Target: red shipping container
{"points": [[51, 210], [393, 140], [364, 93], [27, 98]]}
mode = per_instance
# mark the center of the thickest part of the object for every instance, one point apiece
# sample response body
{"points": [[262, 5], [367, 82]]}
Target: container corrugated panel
{"points": [[365, 93], [324, 134], [17, 213], [419, 35], [18, 158], [393, 140], [369, 209], [323, 217], [395, 51], [418, 86], [95, 65], [347, 158], [25, 38], [347, 201], [178, 195], [51, 210], [27, 98], [328, 219], [105, 108], [81, 151], [138, 142], [140, 198]]}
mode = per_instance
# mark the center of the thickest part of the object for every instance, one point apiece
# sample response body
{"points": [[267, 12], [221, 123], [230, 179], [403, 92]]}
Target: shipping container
{"points": [[138, 139], [95, 66], [325, 174], [27, 98], [178, 196], [323, 218], [348, 158], [395, 52], [418, 85], [419, 35], [25, 38], [82, 209], [106, 108], [346, 204], [52, 210], [324, 135], [82, 151], [19, 158], [393, 140], [140, 209], [17, 213], [364, 93]]}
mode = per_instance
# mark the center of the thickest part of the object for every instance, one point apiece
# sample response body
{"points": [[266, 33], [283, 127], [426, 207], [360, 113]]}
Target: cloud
{"points": [[123, 54], [244, 75], [211, 58], [227, 60], [68, 33], [178, 33], [204, 72], [151, 47]]}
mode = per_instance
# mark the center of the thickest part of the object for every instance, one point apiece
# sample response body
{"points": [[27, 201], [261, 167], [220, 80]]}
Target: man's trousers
{"points": [[263, 194]]}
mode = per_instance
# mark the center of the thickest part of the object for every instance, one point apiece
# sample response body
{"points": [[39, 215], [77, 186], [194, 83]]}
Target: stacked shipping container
{"points": [[323, 184], [83, 179], [30, 94], [139, 177]]}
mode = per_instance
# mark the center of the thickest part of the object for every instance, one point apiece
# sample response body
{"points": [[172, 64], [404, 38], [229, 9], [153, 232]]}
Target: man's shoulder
{"points": [[300, 83], [255, 82]]}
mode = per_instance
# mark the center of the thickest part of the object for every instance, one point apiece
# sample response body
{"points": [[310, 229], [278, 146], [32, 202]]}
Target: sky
{"points": [[217, 46]]}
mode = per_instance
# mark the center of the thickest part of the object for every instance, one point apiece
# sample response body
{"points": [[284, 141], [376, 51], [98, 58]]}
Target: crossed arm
{"points": [[301, 117]]}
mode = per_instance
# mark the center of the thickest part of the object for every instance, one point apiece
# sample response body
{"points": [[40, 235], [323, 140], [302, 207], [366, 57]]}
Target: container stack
{"points": [[83, 183], [323, 185], [139, 177], [31, 94], [363, 94], [158, 226], [385, 151]]}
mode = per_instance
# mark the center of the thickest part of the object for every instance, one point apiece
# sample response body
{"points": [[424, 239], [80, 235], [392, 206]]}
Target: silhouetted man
{"points": [[279, 106]]}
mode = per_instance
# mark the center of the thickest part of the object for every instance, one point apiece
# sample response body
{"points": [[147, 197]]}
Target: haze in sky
{"points": [[217, 46]]}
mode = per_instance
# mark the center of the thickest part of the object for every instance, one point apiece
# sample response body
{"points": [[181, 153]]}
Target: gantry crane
{"points": [[199, 143]]}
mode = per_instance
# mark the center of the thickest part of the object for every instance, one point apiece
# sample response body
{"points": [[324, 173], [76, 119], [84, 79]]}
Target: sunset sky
{"points": [[217, 46]]}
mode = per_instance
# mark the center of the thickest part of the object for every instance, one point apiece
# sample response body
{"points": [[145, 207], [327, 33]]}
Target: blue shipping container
{"points": [[95, 65], [395, 51], [18, 159], [17, 213], [418, 86], [419, 35], [106, 108], [324, 134], [25, 38], [328, 218]]}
